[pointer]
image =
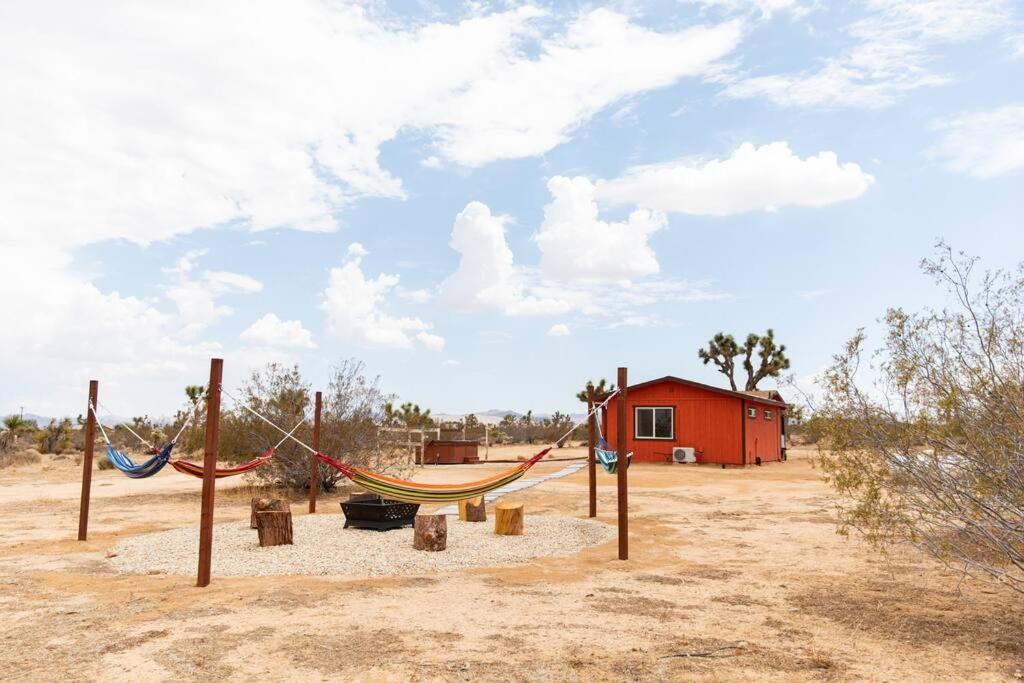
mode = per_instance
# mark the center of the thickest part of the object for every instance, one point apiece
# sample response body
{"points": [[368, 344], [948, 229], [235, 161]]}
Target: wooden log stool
{"points": [[508, 519], [473, 510], [274, 527], [430, 532], [265, 504]]}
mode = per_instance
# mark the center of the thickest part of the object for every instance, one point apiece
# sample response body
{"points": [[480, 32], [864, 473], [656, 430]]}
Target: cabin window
{"points": [[767, 414], [752, 413], [654, 423]]}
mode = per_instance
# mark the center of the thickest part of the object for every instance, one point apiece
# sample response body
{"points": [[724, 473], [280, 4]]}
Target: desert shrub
{"points": [[13, 428], [102, 461], [14, 458], [55, 437], [931, 451], [353, 406]]}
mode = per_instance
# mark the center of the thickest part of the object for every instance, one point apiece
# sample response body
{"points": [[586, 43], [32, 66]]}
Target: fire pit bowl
{"points": [[370, 511]]}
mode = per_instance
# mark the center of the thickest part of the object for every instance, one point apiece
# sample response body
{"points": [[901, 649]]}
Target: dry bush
{"points": [[353, 406], [932, 450], [29, 456]]}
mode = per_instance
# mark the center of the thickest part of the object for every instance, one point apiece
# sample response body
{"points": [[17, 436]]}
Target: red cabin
{"points": [[721, 426]]}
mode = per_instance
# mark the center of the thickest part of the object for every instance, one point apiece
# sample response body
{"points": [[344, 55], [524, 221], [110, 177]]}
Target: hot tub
{"points": [[451, 452]]}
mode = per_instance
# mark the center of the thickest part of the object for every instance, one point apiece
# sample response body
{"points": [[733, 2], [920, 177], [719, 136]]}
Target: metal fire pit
{"points": [[369, 511]]}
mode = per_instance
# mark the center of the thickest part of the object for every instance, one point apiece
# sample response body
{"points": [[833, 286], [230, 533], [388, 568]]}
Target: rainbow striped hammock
{"points": [[192, 469], [415, 492]]}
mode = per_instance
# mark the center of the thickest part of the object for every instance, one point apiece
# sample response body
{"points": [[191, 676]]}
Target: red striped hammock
{"points": [[195, 470], [416, 492]]}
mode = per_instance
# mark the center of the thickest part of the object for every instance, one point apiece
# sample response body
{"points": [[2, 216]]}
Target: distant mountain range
{"points": [[495, 416]]}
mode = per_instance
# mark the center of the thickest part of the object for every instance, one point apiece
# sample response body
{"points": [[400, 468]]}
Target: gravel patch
{"points": [[323, 548]]}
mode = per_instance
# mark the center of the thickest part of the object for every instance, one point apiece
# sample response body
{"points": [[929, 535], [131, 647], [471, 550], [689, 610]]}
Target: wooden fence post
{"points": [[622, 466], [209, 471], [90, 436], [314, 464], [591, 457]]}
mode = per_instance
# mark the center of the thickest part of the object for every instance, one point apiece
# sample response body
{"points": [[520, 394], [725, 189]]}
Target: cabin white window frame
{"points": [[654, 423], [752, 412], [768, 414]]}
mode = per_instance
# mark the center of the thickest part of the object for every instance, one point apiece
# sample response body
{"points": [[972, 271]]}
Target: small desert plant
{"points": [[28, 456]]}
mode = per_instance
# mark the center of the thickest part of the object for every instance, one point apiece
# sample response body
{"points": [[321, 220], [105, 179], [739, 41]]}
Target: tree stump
{"points": [[265, 504], [274, 527], [430, 532], [508, 519], [473, 510]]}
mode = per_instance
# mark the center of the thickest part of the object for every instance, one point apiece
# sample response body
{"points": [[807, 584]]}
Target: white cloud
{"points": [[559, 330], [983, 144], [432, 162], [765, 9], [196, 300], [181, 118], [751, 179], [417, 296], [274, 332], [432, 342], [576, 244], [486, 278], [354, 305], [891, 54], [525, 107]]}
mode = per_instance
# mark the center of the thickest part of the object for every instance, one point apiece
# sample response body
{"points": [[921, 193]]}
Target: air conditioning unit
{"points": [[683, 454]]}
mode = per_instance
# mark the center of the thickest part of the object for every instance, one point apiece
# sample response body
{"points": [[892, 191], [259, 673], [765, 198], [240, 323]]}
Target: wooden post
{"points": [[621, 466], [314, 464], [591, 457], [90, 436], [209, 471]]}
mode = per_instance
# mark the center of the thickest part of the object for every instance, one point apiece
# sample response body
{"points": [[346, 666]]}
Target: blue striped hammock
{"points": [[139, 470], [608, 458]]}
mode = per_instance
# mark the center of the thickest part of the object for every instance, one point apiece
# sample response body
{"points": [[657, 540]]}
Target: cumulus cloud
{"points": [[355, 307], [559, 330], [576, 244], [751, 179], [486, 277], [983, 144], [891, 54], [272, 331], [432, 342]]}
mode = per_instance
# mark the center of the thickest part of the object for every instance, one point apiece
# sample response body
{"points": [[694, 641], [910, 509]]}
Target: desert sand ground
{"points": [[740, 558]]}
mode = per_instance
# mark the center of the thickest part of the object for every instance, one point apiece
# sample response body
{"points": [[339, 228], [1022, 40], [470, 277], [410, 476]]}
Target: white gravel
{"points": [[322, 547]]}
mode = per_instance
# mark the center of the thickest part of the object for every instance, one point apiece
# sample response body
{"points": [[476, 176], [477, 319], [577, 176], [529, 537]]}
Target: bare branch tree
{"points": [[932, 450]]}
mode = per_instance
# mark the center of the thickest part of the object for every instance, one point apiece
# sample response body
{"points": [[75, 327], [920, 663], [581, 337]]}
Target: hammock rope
{"points": [[196, 470], [416, 492]]}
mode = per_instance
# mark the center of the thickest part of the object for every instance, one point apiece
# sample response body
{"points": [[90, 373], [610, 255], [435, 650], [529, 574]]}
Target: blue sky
{"points": [[286, 181]]}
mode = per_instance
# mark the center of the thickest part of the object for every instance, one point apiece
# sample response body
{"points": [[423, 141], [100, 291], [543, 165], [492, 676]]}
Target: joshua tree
{"points": [[602, 387], [722, 350]]}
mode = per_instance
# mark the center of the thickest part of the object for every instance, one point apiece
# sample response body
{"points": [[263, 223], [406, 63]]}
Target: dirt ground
{"points": [[741, 563]]}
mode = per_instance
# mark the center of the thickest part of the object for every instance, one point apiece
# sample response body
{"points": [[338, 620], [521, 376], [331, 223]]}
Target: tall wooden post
{"points": [[621, 468], [314, 464], [90, 436], [591, 457], [209, 471]]}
